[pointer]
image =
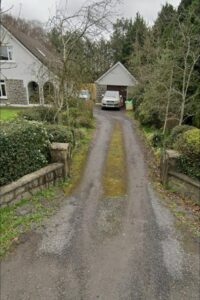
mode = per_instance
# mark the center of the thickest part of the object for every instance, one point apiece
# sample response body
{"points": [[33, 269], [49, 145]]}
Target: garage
{"points": [[117, 78]]}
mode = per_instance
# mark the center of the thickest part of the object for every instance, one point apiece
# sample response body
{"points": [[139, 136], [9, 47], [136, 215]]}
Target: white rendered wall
{"points": [[117, 76], [24, 66]]}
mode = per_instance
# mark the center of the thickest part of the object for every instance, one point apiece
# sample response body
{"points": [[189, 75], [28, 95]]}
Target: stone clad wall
{"points": [[28, 184], [16, 92], [100, 89]]}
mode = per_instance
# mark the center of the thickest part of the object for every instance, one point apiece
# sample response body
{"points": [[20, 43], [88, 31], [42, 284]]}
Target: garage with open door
{"points": [[117, 78]]}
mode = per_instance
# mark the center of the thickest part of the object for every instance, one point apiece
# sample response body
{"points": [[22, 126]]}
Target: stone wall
{"points": [[183, 184], [28, 184], [100, 90], [179, 182], [16, 92]]}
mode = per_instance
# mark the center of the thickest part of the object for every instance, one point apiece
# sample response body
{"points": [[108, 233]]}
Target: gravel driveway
{"points": [[79, 255]]}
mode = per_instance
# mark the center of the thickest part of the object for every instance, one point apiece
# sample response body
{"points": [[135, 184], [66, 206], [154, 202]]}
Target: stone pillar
{"points": [[41, 94], [168, 163], [60, 152]]}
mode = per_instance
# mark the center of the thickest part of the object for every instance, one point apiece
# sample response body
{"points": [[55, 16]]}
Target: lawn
{"points": [[8, 113]]}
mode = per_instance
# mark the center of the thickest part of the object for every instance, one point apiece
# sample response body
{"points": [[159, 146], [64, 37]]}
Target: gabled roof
{"points": [[32, 44], [117, 75]]}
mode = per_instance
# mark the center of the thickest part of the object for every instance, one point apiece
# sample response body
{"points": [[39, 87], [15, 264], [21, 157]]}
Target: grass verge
{"points": [[114, 177], [20, 217], [186, 211], [26, 214], [78, 162]]}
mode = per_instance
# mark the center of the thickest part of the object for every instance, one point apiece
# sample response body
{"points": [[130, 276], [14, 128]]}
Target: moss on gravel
{"points": [[114, 177]]}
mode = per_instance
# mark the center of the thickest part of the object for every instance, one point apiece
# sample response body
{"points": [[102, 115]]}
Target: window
{"points": [[6, 53], [2, 89]]}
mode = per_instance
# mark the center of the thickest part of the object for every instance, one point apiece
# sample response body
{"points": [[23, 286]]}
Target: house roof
{"points": [[117, 75], [37, 48]]}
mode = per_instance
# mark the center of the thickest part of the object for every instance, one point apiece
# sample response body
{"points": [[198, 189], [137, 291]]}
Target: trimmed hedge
{"points": [[23, 148], [176, 131], [188, 144]]}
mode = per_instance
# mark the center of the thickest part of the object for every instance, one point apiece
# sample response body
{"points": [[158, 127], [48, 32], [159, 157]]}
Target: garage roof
{"points": [[117, 75]]}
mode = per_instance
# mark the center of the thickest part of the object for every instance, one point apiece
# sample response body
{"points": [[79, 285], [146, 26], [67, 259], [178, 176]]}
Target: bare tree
{"points": [[93, 18], [189, 53]]}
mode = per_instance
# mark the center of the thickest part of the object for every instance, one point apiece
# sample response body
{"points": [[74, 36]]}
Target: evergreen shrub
{"points": [[188, 144], [23, 148]]}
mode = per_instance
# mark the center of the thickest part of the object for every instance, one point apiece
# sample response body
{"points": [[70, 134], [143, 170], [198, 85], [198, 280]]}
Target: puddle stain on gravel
{"points": [[109, 216]]}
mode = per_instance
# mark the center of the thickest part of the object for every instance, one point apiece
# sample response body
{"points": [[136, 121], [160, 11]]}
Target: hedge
{"points": [[23, 148], [177, 131], [188, 144]]}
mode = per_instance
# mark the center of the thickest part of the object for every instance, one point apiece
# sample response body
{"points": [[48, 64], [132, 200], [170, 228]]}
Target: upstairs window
{"points": [[2, 89], [6, 53]]}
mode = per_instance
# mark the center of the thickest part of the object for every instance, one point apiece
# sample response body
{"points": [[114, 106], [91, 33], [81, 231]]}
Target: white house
{"points": [[117, 78], [24, 74]]}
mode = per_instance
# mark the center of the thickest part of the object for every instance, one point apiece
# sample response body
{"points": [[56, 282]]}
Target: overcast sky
{"points": [[42, 9]]}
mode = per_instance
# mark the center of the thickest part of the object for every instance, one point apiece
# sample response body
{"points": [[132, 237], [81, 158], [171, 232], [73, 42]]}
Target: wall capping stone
{"points": [[26, 185], [185, 178], [181, 183]]}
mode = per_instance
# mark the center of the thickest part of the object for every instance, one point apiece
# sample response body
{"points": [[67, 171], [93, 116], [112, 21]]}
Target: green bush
{"points": [[79, 116], [189, 167], [149, 117], [176, 132], [84, 121], [60, 134], [23, 148], [40, 114], [188, 144]]}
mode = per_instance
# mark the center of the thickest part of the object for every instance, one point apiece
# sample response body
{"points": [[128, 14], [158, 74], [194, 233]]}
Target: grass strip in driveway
{"points": [[114, 177]]}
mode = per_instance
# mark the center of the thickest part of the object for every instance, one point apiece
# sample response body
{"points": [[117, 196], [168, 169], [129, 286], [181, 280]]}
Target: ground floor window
{"points": [[2, 89]]}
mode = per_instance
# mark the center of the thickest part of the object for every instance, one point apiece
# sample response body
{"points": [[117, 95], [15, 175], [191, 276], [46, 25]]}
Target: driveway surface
{"points": [[74, 258]]}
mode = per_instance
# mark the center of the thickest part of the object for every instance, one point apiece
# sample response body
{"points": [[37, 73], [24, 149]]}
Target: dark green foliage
{"points": [[188, 144], [150, 116], [125, 34], [23, 148], [157, 139], [164, 24], [40, 114], [189, 166]]}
